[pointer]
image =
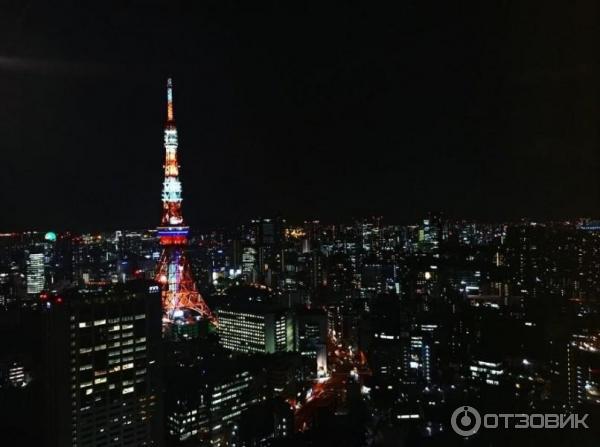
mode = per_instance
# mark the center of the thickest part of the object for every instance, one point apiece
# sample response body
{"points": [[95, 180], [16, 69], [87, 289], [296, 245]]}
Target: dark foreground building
{"points": [[102, 364]]}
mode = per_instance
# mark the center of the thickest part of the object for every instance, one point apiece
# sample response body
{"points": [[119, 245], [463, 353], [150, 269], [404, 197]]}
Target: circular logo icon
{"points": [[465, 421]]}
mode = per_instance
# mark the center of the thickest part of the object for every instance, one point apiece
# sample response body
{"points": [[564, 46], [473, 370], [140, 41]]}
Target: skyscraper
{"points": [[35, 273], [102, 366], [255, 328], [311, 340], [207, 403], [583, 370], [250, 322], [181, 300]]}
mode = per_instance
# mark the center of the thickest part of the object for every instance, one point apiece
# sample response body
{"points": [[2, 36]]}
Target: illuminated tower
{"points": [[180, 299]]}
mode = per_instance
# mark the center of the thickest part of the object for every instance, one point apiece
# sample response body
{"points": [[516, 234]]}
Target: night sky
{"points": [[482, 111]]}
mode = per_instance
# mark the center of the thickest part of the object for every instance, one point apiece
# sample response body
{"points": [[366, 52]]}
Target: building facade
{"points": [[102, 366]]}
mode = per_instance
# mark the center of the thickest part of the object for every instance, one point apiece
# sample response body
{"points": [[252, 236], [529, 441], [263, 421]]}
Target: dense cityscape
{"points": [[302, 333], [435, 316], [363, 333]]}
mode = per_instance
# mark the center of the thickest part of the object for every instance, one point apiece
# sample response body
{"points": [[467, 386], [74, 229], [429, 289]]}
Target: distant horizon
{"points": [[293, 222]]}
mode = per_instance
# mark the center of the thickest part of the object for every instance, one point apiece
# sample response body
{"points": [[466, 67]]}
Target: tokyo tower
{"points": [[181, 300]]}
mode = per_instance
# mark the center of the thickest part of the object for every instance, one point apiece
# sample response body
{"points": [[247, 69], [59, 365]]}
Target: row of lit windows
{"points": [[241, 315]]}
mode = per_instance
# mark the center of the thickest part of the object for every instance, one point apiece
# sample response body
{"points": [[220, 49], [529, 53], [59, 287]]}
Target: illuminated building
{"points": [[402, 356], [377, 277], [420, 362], [370, 232], [401, 352], [315, 268], [430, 234], [251, 326], [180, 299], [187, 418], [228, 398], [253, 331], [17, 376], [583, 370], [249, 263], [35, 273], [268, 248], [210, 401], [486, 372], [101, 359], [14, 374], [58, 260], [388, 349], [390, 355], [312, 339], [589, 225]]}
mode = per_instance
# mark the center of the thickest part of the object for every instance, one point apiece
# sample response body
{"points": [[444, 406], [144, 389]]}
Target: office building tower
{"points": [[311, 339], [583, 370], [102, 366], [254, 330], [487, 372], [208, 402], [249, 325], [249, 263], [35, 273]]}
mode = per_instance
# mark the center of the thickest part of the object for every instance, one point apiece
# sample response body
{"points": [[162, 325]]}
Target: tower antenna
{"points": [[169, 100]]}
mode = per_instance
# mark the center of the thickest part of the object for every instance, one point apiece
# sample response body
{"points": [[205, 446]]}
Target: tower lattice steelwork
{"points": [[180, 298]]}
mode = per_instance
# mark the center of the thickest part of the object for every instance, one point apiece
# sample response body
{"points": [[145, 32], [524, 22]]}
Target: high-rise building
{"points": [[583, 370], [311, 338], [102, 366], [268, 248], [182, 303], [35, 273], [250, 325], [487, 372], [206, 406], [249, 263], [249, 330], [17, 376]]}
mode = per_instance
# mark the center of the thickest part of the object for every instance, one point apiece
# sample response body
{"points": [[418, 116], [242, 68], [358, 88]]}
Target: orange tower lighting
{"points": [[180, 297]]}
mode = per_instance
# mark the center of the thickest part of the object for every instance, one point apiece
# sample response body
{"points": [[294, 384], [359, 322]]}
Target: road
{"points": [[331, 391]]}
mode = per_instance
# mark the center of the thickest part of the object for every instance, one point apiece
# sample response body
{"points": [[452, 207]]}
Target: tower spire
{"points": [[170, 100]]}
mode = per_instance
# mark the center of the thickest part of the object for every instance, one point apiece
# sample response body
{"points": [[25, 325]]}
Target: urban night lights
{"points": [[391, 233]]}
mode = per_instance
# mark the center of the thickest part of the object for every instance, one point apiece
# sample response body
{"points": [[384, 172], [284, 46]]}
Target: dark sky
{"points": [[483, 111]]}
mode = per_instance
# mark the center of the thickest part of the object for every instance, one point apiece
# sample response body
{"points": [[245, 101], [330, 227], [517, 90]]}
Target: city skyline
{"points": [[290, 225], [319, 326]]}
